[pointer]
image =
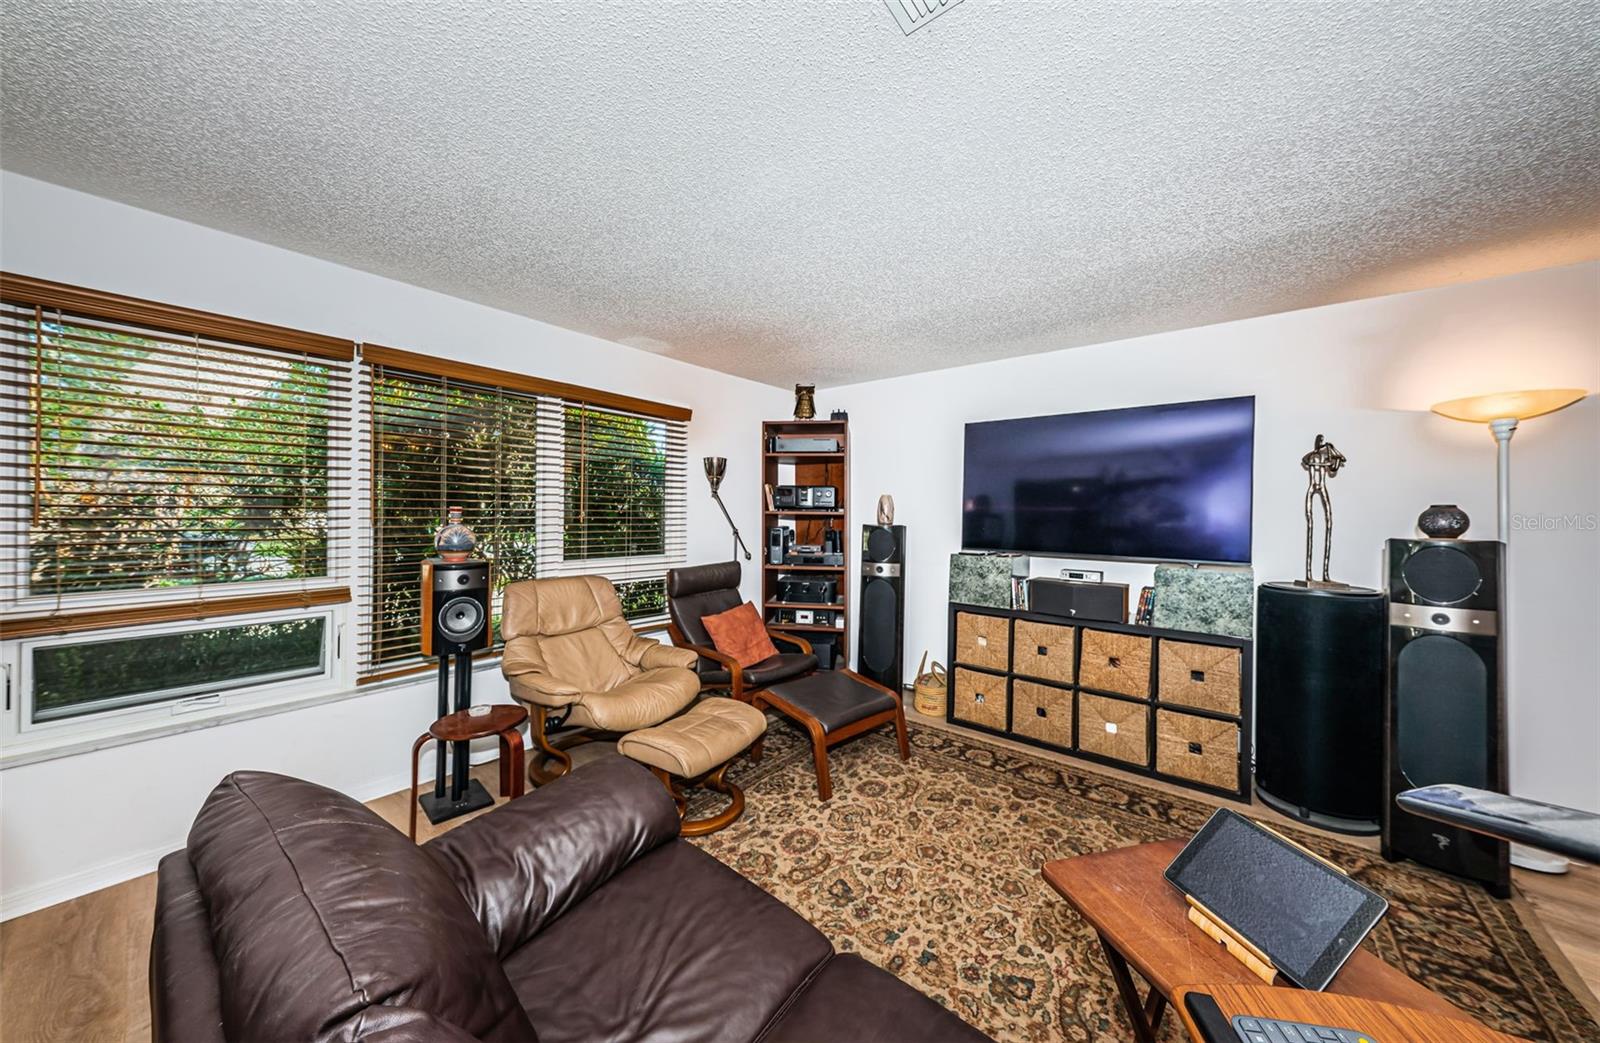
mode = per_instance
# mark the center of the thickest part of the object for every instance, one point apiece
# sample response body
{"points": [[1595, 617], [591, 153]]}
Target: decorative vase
{"points": [[805, 402], [454, 541], [886, 509], [1443, 521]]}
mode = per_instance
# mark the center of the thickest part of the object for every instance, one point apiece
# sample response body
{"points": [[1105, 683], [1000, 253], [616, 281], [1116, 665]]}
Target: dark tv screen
{"points": [[1154, 483]]}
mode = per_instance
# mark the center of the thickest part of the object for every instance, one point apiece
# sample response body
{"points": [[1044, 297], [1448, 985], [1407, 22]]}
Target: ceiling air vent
{"points": [[914, 14]]}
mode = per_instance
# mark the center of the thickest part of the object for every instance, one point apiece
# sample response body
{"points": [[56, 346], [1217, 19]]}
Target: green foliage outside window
{"points": [[84, 677], [163, 465]]}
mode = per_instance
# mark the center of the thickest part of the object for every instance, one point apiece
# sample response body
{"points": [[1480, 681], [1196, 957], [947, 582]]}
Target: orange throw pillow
{"points": [[739, 632]]}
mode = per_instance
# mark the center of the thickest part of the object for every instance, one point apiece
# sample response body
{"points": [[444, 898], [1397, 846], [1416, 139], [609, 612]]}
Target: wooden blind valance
{"points": [[26, 290], [427, 365]]}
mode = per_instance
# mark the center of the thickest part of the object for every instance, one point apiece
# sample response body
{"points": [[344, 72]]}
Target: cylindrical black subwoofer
{"points": [[1319, 704]]}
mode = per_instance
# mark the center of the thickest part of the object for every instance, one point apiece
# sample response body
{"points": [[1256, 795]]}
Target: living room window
{"points": [[553, 480], [165, 466]]}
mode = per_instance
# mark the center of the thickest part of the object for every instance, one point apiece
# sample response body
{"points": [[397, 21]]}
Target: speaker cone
{"points": [[1441, 575], [460, 619], [880, 545]]}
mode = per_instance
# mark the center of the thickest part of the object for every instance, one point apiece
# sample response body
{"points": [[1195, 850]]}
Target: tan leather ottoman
{"points": [[697, 746]]}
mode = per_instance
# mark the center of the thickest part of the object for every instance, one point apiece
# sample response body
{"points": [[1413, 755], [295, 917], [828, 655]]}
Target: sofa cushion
{"points": [[185, 992], [320, 910], [740, 633], [851, 999], [677, 947], [528, 861]]}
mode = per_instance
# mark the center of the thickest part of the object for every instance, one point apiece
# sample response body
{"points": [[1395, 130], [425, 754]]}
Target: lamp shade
{"points": [[1513, 405]]}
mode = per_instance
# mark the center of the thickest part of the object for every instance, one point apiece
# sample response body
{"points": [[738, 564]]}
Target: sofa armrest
{"points": [[525, 863]]}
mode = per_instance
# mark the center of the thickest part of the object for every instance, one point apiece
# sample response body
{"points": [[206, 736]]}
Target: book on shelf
{"points": [[766, 489], [1147, 606]]}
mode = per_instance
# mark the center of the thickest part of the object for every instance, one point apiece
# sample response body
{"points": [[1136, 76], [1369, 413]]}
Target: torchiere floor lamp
{"points": [[1501, 411]]}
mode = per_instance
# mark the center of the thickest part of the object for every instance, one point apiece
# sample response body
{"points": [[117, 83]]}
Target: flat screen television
{"points": [[1153, 483]]}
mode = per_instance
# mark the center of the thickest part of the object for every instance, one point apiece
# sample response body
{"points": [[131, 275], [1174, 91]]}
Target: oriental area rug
{"points": [[931, 870]]}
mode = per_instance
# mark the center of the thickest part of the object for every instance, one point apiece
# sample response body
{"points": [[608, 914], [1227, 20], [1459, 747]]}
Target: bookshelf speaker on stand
{"points": [[455, 624]]}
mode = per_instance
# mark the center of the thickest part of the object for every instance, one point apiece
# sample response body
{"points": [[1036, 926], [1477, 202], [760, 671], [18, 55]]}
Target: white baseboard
{"points": [[114, 871]]}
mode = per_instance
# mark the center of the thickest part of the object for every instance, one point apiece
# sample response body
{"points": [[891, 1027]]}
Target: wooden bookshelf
{"points": [[828, 468]]}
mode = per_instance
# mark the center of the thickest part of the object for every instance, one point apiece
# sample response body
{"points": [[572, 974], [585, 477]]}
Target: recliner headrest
{"points": [[550, 607], [697, 579]]}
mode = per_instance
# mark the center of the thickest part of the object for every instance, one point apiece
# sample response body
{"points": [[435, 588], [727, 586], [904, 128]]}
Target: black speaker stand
{"points": [[465, 794]]}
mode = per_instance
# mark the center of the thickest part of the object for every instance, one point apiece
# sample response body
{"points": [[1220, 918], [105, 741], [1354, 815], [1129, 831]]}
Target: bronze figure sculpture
{"points": [[1321, 464]]}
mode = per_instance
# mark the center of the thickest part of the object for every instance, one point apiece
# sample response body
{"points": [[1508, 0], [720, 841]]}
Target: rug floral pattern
{"points": [[931, 870]]}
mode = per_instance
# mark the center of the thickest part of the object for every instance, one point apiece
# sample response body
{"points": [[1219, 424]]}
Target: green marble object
{"points": [[1205, 600], [984, 579]]}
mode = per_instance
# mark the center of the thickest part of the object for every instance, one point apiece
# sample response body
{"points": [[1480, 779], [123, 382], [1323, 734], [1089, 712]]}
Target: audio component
{"points": [[779, 539], [1319, 704], [455, 622], [805, 497], [826, 648], [805, 590], [804, 444], [811, 555], [819, 617], [1444, 701], [1107, 602], [1084, 575], [880, 630]]}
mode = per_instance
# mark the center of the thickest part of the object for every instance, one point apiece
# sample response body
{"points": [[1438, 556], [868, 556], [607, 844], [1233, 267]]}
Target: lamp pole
{"points": [[716, 467]]}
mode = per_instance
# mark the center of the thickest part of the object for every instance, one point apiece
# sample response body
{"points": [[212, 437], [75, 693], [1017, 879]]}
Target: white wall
{"points": [[1364, 374], [74, 824]]}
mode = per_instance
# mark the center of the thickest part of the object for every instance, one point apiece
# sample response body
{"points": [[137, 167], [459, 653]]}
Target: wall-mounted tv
{"points": [[1154, 483]]}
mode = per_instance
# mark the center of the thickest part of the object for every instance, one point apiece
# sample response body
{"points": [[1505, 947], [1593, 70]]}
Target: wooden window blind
{"points": [[157, 448], [437, 443], [622, 504], [551, 485]]}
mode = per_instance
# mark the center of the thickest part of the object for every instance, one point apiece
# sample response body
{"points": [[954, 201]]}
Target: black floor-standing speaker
{"points": [[1319, 704], [1445, 700], [880, 632]]}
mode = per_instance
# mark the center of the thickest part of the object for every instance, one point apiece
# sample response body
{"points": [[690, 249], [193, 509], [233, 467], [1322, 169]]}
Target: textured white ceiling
{"points": [[796, 190]]}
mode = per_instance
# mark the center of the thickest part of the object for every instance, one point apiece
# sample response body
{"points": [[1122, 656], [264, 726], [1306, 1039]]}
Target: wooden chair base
{"points": [[549, 758]]}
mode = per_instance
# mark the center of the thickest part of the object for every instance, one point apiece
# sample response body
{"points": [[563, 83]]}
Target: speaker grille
{"points": [[878, 607], [1443, 695], [460, 619], [880, 545], [1441, 575]]}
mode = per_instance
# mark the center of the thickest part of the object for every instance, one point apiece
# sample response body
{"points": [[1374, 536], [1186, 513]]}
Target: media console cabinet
{"points": [[1169, 704]]}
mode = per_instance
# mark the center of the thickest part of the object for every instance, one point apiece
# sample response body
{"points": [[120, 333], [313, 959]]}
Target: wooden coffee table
{"points": [[502, 721], [1143, 923]]}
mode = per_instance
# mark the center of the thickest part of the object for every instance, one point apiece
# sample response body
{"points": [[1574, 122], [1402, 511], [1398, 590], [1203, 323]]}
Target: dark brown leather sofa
{"points": [[574, 913]]}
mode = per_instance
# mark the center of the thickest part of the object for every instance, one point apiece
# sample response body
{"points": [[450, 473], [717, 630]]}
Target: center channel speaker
{"points": [[880, 635], [1445, 714], [455, 606]]}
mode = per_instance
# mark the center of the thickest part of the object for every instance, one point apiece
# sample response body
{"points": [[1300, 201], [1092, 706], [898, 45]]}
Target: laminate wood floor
{"points": [[78, 972]]}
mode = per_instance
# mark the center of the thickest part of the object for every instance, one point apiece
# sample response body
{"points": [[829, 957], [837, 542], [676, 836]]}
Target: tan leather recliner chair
{"points": [[570, 655]]}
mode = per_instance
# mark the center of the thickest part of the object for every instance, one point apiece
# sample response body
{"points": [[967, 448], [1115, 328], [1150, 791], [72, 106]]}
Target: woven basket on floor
{"points": [[929, 689]]}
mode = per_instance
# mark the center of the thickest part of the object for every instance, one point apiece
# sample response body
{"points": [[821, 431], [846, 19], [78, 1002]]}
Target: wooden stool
{"points": [[462, 726], [697, 747]]}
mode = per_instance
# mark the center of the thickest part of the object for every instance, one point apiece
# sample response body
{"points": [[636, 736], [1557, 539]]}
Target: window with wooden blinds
{"points": [[552, 486], [155, 450], [622, 506]]}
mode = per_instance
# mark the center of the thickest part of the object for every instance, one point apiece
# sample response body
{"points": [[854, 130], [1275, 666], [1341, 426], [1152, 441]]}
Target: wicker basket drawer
{"points": [[1206, 676], [1198, 748], [979, 698], [1043, 650], [1115, 663], [1041, 712], [1114, 728], [983, 640]]}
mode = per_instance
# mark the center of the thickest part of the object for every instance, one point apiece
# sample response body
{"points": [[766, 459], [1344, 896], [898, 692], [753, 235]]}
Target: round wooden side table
{"points": [[463, 726]]}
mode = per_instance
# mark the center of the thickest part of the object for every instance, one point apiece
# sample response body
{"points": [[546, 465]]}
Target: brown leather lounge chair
{"points": [[704, 590], [574, 662]]}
